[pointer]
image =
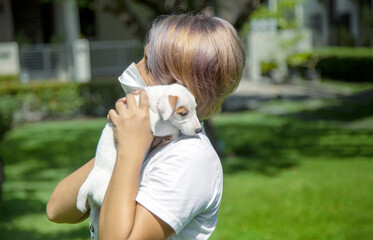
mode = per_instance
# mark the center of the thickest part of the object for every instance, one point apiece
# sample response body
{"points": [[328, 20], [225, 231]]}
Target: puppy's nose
{"points": [[198, 130]]}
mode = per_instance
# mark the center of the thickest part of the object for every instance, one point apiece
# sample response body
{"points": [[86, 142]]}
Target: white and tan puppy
{"points": [[171, 108]]}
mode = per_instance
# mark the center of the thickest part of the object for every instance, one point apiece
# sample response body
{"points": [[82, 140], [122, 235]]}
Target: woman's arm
{"points": [[61, 207], [121, 217]]}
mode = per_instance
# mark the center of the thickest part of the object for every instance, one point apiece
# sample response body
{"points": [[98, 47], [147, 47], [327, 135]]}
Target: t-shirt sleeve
{"points": [[177, 188]]}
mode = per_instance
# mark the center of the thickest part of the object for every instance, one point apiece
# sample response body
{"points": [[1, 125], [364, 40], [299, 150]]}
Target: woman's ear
{"points": [[166, 106]]}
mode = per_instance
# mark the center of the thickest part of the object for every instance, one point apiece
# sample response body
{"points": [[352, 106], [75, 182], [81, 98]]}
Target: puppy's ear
{"points": [[166, 106]]}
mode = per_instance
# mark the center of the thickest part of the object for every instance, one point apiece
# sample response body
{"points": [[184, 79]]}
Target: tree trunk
{"points": [[129, 12], [332, 38]]}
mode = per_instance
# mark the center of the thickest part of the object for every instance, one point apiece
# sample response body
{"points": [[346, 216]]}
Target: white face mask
{"points": [[131, 80]]}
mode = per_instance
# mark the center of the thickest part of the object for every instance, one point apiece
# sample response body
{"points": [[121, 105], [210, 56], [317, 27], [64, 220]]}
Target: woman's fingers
{"points": [[123, 100], [128, 103], [112, 116], [144, 100], [131, 101], [120, 106]]}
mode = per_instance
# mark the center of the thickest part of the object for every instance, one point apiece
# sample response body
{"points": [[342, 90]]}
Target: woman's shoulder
{"points": [[194, 152], [195, 147]]}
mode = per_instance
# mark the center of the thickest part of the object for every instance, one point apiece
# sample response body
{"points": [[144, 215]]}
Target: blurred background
{"points": [[295, 139]]}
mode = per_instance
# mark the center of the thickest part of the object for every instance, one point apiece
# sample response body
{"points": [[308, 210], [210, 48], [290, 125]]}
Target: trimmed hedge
{"points": [[8, 79], [56, 100], [99, 97], [44, 100], [346, 64], [353, 69]]}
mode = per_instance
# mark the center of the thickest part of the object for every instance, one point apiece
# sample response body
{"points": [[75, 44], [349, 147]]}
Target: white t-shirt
{"points": [[182, 184]]}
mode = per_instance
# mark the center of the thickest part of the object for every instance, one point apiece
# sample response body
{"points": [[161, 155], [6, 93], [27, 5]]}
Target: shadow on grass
{"points": [[36, 157], [348, 108], [66, 147], [19, 207], [12, 234], [16, 207], [269, 143]]}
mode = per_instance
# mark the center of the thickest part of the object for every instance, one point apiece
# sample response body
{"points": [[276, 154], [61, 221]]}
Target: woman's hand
{"points": [[133, 135], [132, 123]]}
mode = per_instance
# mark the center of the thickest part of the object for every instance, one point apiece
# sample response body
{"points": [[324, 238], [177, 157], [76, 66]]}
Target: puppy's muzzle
{"points": [[198, 130]]}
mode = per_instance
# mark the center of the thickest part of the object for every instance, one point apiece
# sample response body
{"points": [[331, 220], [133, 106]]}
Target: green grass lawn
{"points": [[36, 157], [306, 173]]}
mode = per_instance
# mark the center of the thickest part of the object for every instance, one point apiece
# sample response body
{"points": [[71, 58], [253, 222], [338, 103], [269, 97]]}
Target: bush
{"points": [[299, 59], [347, 64], [8, 104], [353, 69], [42, 100], [8, 79], [55, 100], [99, 97], [266, 67]]}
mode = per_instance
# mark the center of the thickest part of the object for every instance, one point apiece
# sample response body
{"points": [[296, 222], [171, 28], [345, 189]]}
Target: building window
{"points": [[87, 22], [344, 21], [316, 23]]}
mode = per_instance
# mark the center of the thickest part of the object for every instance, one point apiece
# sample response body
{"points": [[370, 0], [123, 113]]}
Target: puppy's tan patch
{"points": [[181, 109], [172, 100]]}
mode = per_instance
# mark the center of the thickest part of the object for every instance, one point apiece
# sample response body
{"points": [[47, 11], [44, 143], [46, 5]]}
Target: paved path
{"points": [[315, 90], [249, 94]]}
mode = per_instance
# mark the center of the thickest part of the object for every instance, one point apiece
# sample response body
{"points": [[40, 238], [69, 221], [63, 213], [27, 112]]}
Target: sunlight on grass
{"points": [[318, 200]]}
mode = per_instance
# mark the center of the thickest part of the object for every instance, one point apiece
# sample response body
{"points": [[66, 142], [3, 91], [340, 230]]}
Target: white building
{"points": [[320, 23], [340, 22], [55, 31]]}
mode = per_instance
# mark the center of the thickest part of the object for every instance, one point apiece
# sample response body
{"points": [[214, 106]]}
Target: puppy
{"points": [[171, 108]]}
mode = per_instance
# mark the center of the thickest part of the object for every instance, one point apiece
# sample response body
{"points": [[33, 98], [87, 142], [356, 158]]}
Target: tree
{"points": [[138, 14], [365, 22]]}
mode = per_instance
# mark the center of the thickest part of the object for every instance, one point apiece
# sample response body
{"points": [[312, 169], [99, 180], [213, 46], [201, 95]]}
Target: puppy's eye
{"points": [[184, 113]]}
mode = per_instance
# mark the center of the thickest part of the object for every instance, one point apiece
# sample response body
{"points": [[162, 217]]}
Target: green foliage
{"points": [[8, 79], [99, 97], [285, 15], [299, 59], [347, 68], [348, 64], [8, 105], [48, 99], [55, 100], [344, 52], [266, 67], [262, 12]]}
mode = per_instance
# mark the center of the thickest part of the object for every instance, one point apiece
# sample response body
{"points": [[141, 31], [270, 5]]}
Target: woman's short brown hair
{"points": [[201, 52]]}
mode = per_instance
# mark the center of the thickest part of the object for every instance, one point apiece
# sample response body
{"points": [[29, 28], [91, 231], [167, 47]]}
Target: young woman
{"points": [[175, 190]]}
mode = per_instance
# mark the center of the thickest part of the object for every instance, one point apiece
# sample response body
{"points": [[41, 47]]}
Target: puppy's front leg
{"points": [[167, 139]]}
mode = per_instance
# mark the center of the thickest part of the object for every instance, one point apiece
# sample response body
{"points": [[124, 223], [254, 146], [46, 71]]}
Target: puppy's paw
{"points": [[81, 200], [81, 204], [98, 195]]}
